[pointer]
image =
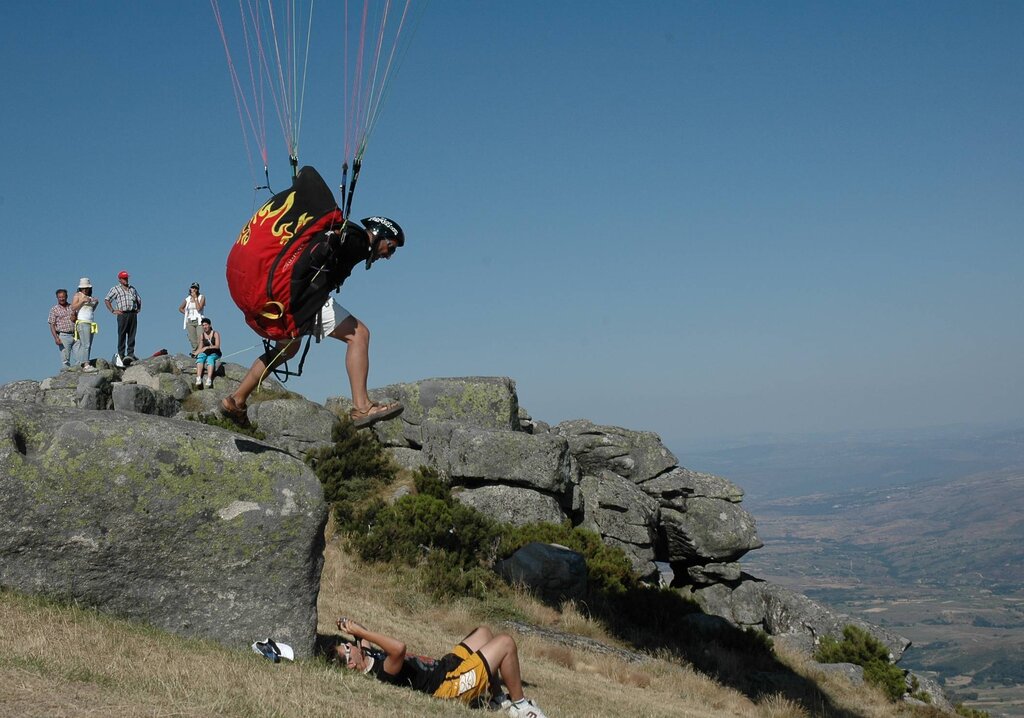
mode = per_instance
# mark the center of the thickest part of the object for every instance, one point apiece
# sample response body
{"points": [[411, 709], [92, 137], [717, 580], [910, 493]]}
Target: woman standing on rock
{"points": [[84, 304], [192, 308]]}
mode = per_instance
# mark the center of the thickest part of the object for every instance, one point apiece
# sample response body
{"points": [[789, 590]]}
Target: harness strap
{"points": [[282, 373], [272, 310]]}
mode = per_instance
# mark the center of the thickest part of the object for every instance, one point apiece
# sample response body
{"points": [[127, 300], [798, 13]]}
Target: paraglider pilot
{"points": [[378, 238]]}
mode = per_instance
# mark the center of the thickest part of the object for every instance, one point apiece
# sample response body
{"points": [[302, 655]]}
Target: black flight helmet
{"points": [[383, 228], [380, 230]]}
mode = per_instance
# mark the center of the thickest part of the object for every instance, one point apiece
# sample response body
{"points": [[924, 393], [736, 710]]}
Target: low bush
{"points": [[426, 521], [916, 692], [428, 482], [445, 576], [219, 421], [352, 471], [420, 523], [860, 647]]}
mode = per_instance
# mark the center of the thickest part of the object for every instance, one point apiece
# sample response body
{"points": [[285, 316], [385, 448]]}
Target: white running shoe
{"points": [[118, 361], [209, 382], [525, 709], [199, 381]]}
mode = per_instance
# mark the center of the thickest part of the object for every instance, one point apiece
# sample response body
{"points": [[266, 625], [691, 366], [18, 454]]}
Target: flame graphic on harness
{"points": [[302, 221], [267, 213]]}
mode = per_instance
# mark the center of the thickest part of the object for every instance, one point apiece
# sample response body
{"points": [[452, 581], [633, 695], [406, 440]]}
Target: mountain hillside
{"points": [[960, 532], [940, 561]]}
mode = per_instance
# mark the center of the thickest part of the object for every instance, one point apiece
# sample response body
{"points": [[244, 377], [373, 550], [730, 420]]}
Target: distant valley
{"points": [[928, 542], [772, 468]]}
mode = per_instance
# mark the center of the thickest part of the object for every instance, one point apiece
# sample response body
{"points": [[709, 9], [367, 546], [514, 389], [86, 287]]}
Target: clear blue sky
{"points": [[701, 219]]}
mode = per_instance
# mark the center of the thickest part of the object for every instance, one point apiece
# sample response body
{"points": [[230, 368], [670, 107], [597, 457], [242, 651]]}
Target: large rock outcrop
{"points": [[193, 529], [638, 498], [623, 484]]}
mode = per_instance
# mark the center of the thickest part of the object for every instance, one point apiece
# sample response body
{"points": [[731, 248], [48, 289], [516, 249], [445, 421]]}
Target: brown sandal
{"points": [[230, 408], [375, 412]]}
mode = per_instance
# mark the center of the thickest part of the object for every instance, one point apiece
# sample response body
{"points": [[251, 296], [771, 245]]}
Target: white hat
{"points": [[273, 650], [84, 283]]}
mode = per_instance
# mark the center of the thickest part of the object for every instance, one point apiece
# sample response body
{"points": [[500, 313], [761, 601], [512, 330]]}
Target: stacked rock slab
{"points": [[469, 429], [190, 528], [487, 403], [637, 496], [295, 424], [624, 515]]}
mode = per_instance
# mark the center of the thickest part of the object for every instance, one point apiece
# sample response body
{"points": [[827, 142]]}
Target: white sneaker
{"points": [[199, 381], [209, 382], [88, 368], [118, 361], [525, 709]]}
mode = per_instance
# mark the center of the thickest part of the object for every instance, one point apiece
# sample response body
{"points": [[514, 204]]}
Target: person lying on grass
{"points": [[472, 672]]}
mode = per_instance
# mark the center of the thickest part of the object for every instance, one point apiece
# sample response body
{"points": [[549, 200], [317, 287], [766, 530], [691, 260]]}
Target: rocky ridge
{"points": [[624, 484]]}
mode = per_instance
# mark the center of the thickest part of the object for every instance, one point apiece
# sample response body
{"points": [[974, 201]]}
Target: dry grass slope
{"points": [[67, 661]]}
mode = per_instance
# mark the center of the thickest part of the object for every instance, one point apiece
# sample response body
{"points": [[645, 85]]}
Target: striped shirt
{"points": [[62, 319], [123, 299]]}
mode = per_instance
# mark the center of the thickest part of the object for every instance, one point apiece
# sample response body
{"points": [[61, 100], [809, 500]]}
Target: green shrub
{"points": [[351, 471], [444, 576], [446, 539], [916, 692], [223, 423], [609, 569], [405, 530], [962, 710], [888, 677], [860, 647], [419, 523], [427, 481]]}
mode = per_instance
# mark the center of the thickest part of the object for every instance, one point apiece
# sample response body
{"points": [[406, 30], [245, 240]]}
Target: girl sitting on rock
{"points": [[209, 352]]}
